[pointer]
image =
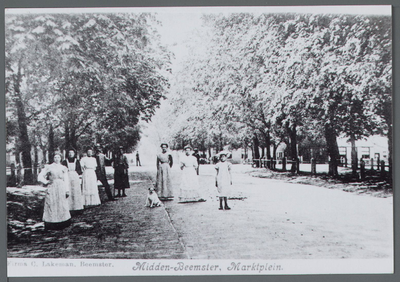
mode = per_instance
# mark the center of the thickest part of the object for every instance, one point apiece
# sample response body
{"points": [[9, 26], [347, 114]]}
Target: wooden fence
{"points": [[283, 165]]}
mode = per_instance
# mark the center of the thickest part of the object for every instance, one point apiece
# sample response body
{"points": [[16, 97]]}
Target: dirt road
{"points": [[275, 220], [279, 220]]}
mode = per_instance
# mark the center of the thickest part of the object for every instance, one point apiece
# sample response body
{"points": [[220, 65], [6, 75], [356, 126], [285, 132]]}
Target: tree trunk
{"points": [[71, 140], [44, 160], [74, 139], [267, 149], [268, 141], [286, 152], [256, 152], [273, 163], [36, 164], [267, 144], [332, 149], [51, 144], [25, 145], [293, 148], [17, 158], [221, 144], [66, 136], [354, 157]]}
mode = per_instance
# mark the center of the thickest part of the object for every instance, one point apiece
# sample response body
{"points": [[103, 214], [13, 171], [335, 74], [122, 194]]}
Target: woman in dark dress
{"points": [[164, 164], [121, 176]]}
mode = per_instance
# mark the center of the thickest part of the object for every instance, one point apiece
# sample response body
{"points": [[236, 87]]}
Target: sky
{"points": [[176, 27]]}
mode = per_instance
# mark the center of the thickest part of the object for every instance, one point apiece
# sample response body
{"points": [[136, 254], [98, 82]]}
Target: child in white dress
{"points": [[223, 180]]}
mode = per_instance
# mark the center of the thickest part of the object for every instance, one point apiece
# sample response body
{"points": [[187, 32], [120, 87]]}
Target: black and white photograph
{"points": [[171, 141]]}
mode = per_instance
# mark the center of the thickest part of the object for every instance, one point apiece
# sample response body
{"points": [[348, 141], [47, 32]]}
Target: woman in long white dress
{"points": [[189, 187], [74, 170], [56, 209], [90, 191]]}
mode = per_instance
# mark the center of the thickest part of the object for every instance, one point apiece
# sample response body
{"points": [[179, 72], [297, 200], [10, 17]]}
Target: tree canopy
{"points": [[302, 79], [87, 74], [289, 77], [89, 77]]}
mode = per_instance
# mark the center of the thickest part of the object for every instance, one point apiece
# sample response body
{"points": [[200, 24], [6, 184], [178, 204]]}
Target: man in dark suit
{"points": [[138, 159], [101, 171], [197, 156]]}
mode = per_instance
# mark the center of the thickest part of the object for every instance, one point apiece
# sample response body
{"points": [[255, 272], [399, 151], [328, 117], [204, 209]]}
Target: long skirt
{"points": [[56, 208], [163, 185], [121, 178], [89, 187], [75, 199], [189, 187]]}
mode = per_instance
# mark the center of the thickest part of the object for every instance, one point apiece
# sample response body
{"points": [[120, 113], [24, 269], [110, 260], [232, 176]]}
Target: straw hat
{"points": [[226, 153], [188, 146]]}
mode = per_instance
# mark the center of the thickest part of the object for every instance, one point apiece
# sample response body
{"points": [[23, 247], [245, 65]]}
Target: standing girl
{"points": [[223, 179]]}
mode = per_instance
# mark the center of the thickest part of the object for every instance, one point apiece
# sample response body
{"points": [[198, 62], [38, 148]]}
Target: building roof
{"points": [[375, 141]]}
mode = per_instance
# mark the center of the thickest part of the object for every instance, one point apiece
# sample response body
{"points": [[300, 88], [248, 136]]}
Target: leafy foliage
{"points": [[287, 78], [86, 75]]}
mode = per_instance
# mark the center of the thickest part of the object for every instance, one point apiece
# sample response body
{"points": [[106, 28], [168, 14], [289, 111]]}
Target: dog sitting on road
{"points": [[152, 199]]}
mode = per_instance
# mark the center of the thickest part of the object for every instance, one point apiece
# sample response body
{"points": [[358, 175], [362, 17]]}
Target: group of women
{"points": [[189, 184], [66, 193]]}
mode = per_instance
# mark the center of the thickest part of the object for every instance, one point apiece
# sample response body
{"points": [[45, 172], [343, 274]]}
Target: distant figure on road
{"points": [[223, 179], [56, 209], [189, 187], [74, 170], [101, 171], [89, 181], [197, 156], [164, 164], [121, 176], [138, 159]]}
